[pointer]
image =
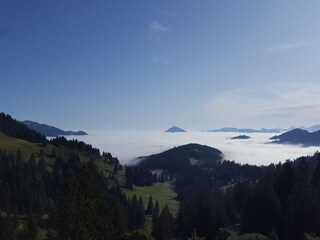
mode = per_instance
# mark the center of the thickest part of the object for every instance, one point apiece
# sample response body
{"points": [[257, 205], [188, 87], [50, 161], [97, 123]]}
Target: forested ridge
{"points": [[68, 190]]}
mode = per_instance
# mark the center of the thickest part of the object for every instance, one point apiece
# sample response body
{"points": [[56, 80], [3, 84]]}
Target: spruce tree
{"points": [[165, 225], [42, 166], [82, 208], [155, 219], [150, 206]]}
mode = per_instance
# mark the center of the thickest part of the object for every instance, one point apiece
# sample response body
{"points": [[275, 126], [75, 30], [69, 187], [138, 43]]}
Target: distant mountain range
{"points": [[241, 137], [247, 130], [175, 129], [313, 128], [50, 131], [298, 136]]}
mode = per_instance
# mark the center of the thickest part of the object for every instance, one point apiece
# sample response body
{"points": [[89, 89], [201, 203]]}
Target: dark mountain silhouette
{"points": [[298, 136], [175, 129], [241, 137], [50, 131], [178, 158]]}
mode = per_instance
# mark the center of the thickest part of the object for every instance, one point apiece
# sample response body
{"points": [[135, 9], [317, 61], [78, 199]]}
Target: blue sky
{"points": [[151, 64]]}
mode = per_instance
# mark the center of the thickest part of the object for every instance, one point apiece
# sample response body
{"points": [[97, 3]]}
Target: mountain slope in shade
{"points": [[298, 136], [180, 158], [175, 129], [50, 131]]}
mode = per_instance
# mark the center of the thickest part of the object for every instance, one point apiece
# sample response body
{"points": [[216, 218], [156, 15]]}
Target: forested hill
{"points": [[186, 159], [15, 129], [179, 158]]}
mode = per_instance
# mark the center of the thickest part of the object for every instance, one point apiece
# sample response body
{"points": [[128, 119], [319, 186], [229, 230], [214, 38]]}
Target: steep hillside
{"points": [[14, 128]]}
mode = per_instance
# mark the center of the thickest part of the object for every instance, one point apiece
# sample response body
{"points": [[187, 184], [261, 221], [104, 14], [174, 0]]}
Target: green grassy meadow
{"points": [[163, 192]]}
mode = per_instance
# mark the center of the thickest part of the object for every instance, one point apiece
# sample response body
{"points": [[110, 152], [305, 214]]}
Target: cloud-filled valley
{"points": [[127, 145]]}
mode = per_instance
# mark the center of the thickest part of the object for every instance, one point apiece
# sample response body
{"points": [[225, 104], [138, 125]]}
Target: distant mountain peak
{"points": [[298, 136], [241, 137], [175, 129]]}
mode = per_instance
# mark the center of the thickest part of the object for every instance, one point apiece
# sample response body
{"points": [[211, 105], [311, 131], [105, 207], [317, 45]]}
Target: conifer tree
{"points": [[155, 219], [42, 166], [150, 206], [165, 225]]}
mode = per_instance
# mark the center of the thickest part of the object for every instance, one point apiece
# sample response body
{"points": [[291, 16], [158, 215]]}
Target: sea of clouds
{"points": [[128, 145]]}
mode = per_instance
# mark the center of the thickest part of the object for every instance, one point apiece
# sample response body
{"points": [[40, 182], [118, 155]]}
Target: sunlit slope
{"points": [[12, 145]]}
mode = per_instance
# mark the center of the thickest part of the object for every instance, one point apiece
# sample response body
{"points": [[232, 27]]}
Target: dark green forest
{"points": [[65, 194]]}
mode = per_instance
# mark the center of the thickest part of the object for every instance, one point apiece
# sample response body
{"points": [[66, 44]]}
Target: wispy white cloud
{"points": [[157, 27], [288, 46], [281, 106]]}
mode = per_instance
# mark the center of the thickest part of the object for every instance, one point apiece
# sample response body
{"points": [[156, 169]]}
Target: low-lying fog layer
{"points": [[127, 145]]}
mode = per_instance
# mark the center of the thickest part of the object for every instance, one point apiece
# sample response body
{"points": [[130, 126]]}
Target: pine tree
{"points": [[141, 212], [82, 207], [119, 219], [316, 175], [283, 185], [304, 213], [42, 166], [165, 225], [150, 206], [155, 219]]}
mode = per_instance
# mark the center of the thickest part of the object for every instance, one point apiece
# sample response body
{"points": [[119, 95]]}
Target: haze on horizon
{"points": [[151, 64]]}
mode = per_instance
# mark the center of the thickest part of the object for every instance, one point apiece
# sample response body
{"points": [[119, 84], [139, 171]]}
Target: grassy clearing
{"points": [[13, 144], [163, 192], [194, 162], [227, 187], [107, 169]]}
